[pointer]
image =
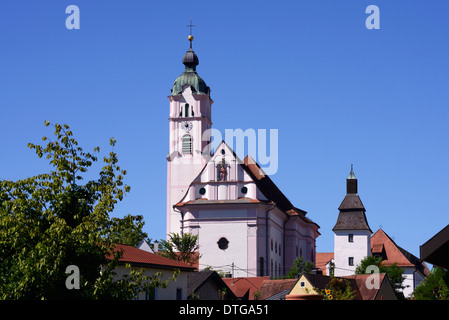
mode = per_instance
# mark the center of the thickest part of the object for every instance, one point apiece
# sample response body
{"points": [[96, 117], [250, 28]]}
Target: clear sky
{"points": [[337, 92]]}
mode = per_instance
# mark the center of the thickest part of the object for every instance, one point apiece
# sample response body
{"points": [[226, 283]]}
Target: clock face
{"points": [[186, 125]]}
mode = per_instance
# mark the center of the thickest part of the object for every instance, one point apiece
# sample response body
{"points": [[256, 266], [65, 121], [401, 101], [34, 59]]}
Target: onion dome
{"points": [[190, 76]]}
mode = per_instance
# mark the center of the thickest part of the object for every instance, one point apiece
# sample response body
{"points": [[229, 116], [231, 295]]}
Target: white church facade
{"points": [[244, 223]]}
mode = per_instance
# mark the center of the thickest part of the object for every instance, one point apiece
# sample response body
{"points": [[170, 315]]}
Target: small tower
{"points": [[352, 234]]}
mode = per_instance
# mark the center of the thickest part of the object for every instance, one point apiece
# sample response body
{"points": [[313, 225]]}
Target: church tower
{"points": [[352, 234], [190, 117]]}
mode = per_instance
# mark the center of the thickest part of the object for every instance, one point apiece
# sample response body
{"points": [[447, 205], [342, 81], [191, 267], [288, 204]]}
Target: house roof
{"points": [[322, 259], [436, 249], [276, 289], [141, 258], [395, 254], [363, 292], [245, 287], [357, 283], [196, 280]]}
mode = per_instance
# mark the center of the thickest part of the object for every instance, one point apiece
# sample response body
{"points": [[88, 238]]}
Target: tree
{"points": [[299, 267], [337, 289], [51, 221], [434, 287], [181, 247], [394, 273], [128, 230]]}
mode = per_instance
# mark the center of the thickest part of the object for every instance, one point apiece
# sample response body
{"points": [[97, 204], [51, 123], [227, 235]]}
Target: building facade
{"points": [[245, 224]]}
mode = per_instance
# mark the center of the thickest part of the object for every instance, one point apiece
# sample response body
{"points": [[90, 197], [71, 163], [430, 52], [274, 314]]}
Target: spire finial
{"points": [[190, 37], [351, 174]]}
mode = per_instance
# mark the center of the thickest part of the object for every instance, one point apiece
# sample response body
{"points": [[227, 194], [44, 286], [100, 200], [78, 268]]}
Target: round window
{"points": [[223, 243], [244, 190], [202, 191]]}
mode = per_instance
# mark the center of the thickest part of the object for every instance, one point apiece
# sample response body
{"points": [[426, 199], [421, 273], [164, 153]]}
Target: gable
{"points": [[226, 178], [392, 253], [303, 286]]}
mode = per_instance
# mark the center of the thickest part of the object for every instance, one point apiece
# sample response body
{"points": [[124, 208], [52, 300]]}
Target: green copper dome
{"points": [[189, 76]]}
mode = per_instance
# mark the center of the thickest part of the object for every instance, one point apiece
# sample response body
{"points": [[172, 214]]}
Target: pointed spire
{"points": [[351, 174]]}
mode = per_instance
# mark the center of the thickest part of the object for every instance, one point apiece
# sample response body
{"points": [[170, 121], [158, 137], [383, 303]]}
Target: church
{"points": [[245, 224]]}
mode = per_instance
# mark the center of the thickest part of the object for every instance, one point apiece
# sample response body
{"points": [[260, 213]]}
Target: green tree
{"points": [[394, 273], [181, 247], [128, 230], [299, 267], [51, 221], [337, 289], [434, 287]]}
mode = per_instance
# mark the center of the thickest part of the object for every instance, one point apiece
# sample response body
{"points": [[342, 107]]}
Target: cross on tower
{"points": [[190, 25]]}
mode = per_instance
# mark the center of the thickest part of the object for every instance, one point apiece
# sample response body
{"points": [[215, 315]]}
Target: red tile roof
{"points": [[147, 259], [321, 259], [394, 253], [363, 292], [271, 287], [245, 287]]}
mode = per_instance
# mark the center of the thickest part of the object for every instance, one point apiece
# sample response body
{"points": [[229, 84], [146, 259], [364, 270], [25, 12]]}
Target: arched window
{"points": [[186, 107], [262, 266], [186, 144]]}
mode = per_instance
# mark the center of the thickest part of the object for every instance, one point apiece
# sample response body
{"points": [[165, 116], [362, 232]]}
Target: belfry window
{"points": [[186, 107], [186, 144]]}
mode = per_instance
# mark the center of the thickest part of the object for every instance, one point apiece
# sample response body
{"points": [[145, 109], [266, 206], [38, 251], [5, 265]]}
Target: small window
{"points": [[302, 284], [350, 237], [178, 293], [202, 191], [244, 190], [351, 261], [262, 266], [223, 243], [186, 144]]}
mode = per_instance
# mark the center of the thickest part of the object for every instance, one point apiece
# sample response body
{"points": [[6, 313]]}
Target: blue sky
{"points": [[337, 92]]}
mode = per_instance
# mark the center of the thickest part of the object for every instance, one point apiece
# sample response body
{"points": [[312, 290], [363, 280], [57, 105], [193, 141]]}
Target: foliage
{"points": [[299, 267], [434, 287], [337, 289], [180, 247], [51, 221], [394, 273], [128, 230]]}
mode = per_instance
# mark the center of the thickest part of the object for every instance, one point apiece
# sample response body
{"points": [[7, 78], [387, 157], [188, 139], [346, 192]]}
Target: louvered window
{"points": [[187, 144]]}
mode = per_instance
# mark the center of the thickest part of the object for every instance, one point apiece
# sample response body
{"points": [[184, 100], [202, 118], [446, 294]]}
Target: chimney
{"points": [[155, 246]]}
